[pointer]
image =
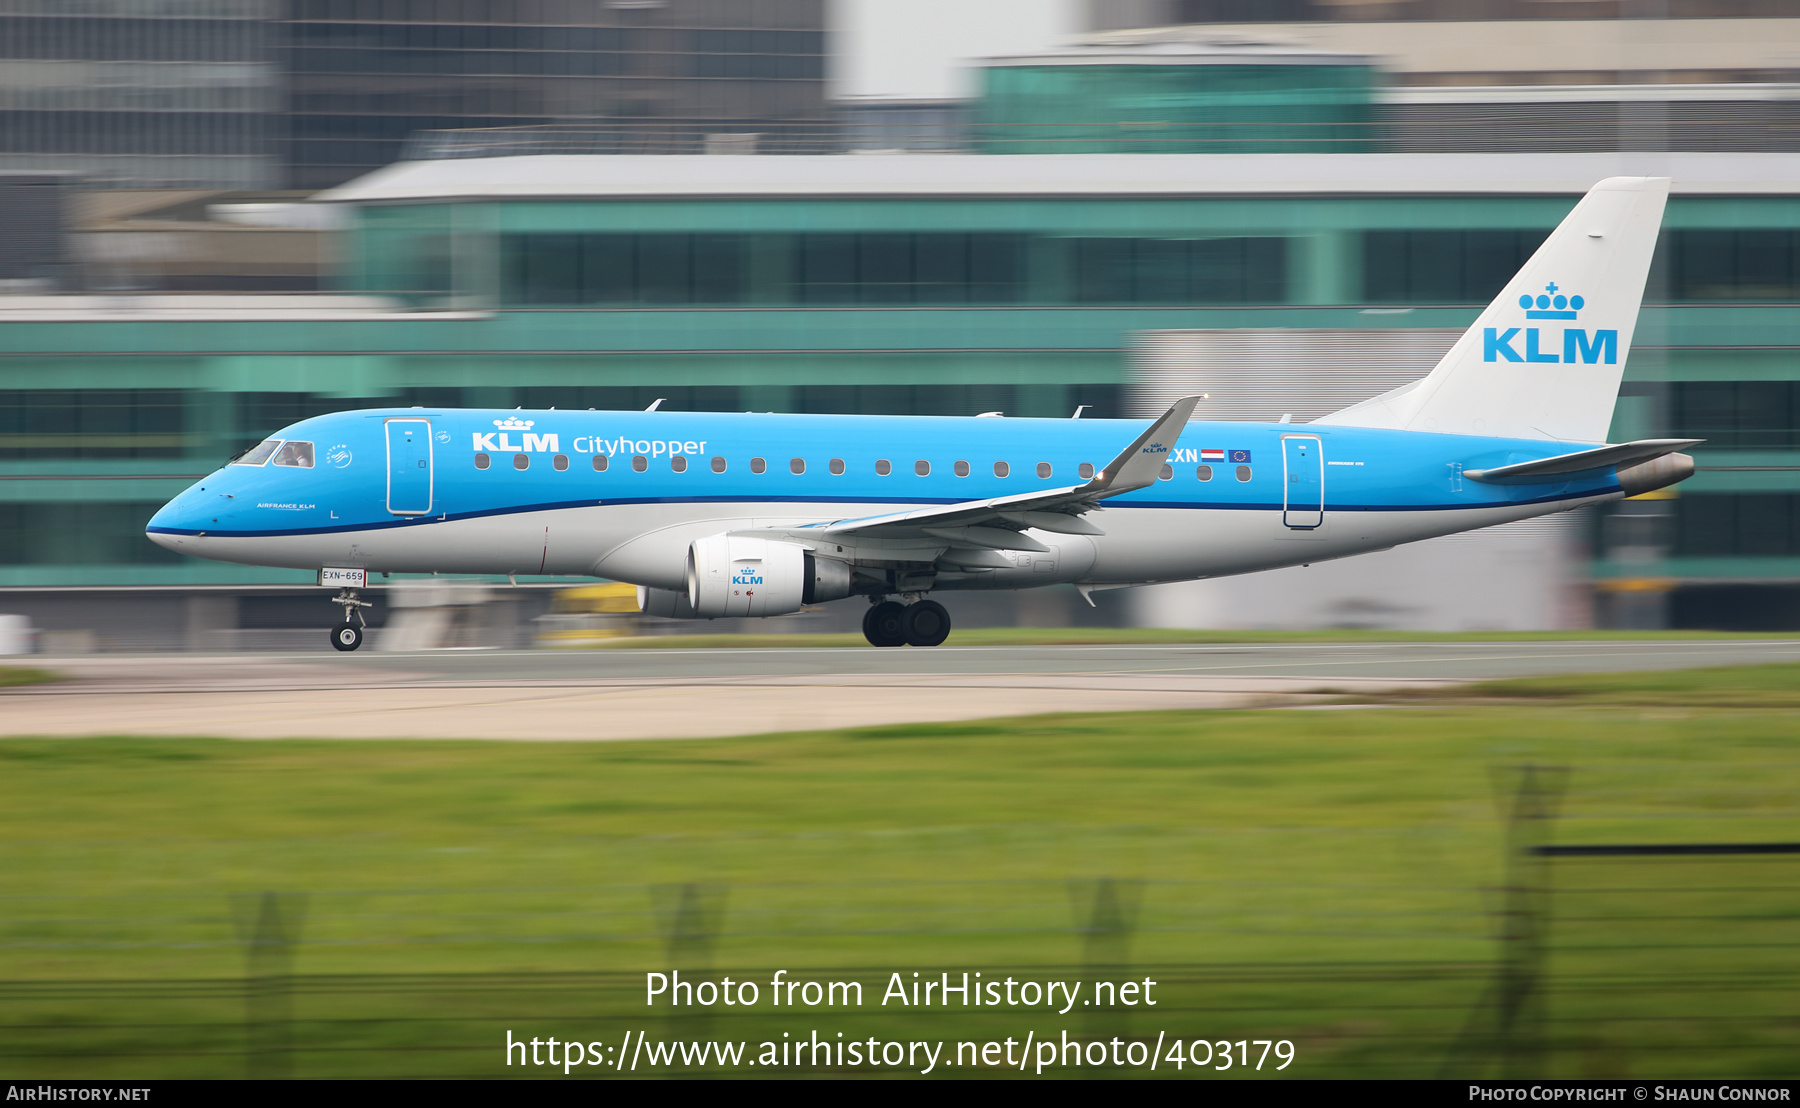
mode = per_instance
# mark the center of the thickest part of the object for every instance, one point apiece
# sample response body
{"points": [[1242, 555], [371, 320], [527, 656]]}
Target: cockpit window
{"points": [[295, 453], [258, 454]]}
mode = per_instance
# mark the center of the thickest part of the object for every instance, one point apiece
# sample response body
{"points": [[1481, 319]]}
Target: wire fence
{"points": [[1588, 954]]}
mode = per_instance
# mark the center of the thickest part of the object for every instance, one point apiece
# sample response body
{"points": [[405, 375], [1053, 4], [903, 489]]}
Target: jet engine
{"points": [[743, 575]]}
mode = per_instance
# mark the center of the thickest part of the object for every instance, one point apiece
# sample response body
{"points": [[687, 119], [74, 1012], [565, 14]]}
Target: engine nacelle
{"points": [[741, 575], [666, 603]]}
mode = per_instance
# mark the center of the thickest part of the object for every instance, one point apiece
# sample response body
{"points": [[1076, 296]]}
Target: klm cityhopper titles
{"points": [[756, 515]]}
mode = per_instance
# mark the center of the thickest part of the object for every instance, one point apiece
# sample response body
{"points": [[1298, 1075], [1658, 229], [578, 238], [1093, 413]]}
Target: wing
{"points": [[996, 524]]}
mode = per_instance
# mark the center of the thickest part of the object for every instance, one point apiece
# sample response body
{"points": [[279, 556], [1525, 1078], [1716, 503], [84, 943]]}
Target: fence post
{"points": [[689, 917], [1106, 910], [1508, 1020], [269, 927]]}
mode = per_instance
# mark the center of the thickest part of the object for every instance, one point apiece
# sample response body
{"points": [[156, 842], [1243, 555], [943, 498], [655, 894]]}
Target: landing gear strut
{"points": [[921, 623], [348, 635]]}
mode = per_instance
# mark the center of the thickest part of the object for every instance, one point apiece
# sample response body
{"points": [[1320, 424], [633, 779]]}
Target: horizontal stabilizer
{"points": [[1564, 466]]}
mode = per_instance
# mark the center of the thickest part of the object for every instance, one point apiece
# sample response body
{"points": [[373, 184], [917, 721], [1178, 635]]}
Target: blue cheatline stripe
{"points": [[1169, 505]]}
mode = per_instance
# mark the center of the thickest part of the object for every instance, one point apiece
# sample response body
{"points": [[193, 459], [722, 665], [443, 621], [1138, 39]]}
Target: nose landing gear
{"points": [[348, 635], [920, 623]]}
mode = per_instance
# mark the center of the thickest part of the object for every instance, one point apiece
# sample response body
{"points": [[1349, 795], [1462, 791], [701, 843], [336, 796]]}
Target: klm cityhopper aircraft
{"points": [[758, 514]]}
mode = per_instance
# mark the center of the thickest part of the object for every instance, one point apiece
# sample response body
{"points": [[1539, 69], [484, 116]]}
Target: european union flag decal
{"points": [[1240, 457]]}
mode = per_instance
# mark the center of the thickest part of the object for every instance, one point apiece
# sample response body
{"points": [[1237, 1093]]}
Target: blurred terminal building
{"points": [[219, 216]]}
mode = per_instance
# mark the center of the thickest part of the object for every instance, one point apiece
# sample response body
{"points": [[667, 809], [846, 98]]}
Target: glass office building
{"points": [[625, 75]]}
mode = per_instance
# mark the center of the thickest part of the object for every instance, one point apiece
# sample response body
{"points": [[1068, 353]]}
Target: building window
{"points": [[1001, 469], [922, 468], [1736, 264], [521, 461], [1442, 267], [639, 463], [718, 465], [1737, 415], [482, 461], [1744, 525], [678, 463], [1180, 271], [1243, 473], [883, 467], [1204, 473], [599, 463], [560, 462], [757, 465]]}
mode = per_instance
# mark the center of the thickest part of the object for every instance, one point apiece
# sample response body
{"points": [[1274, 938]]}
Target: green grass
{"points": [[1329, 877], [1731, 687], [21, 675], [1091, 636]]}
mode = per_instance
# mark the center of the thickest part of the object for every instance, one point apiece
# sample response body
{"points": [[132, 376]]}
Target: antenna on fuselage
{"points": [[655, 404]]}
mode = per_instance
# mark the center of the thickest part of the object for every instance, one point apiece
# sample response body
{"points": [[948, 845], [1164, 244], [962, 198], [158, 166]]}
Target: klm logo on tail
{"points": [[1497, 345]]}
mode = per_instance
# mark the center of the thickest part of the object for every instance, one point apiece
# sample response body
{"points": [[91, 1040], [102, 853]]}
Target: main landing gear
{"points": [[347, 635], [921, 623]]}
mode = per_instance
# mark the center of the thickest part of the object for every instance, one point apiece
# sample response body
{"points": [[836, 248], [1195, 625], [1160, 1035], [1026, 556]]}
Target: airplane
{"points": [[760, 514]]}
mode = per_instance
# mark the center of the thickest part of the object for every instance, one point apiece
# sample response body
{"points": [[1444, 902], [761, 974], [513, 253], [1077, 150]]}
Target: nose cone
{"points": [[175, 524]]}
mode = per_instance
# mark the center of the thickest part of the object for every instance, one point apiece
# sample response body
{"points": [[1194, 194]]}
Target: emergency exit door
{"points": [[1303, 476], [409, 466]]}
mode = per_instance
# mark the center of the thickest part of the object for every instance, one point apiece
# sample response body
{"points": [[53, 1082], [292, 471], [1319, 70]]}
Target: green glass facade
{"points": [[902, 304], [1195, 108]]}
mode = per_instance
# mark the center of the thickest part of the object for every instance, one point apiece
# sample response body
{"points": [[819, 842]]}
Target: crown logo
{"points": [[1551, 304], [513, 423]]}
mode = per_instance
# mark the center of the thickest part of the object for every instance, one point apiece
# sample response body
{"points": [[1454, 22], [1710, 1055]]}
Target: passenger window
{"points": [[797, 465], [757, 465], [521, 461], [718, 465], [296, 454], [922, 468], [962, 469], [837, 466], [257, 454], [1001, 469], [639, 463], [883, 467], [560, 462], [599, 463], [1243, 473], [1167, 472], [1043, 469], [678, 463], [1204, 473], [482, 461], [1086, 469]]}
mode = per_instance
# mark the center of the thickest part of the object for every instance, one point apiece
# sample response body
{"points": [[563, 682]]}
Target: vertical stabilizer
{"points": [[1545, 358]]}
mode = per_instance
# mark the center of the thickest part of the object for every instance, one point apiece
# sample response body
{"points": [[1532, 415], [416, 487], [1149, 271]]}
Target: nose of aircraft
{"points": [[177, 523]]}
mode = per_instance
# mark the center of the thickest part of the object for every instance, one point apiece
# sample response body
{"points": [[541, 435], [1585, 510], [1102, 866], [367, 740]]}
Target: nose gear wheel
{"points": [[348, 635]]}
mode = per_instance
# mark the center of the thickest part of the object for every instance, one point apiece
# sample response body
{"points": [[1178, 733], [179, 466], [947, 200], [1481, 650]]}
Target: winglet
{"points": [[1140, 464]]}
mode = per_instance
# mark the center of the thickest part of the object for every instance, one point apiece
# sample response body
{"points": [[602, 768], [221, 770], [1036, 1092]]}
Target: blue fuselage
{"points": [[422, 490]]}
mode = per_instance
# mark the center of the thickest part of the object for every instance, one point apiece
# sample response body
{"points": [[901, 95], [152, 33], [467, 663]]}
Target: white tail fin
{"points": [[1545, 358]]}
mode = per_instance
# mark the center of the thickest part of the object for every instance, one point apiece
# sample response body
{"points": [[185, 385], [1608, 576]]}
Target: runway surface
{"points": [[678, 693]]}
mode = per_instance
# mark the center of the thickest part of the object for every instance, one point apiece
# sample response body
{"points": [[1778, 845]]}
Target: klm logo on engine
{"points": [[500, 439], [1577, 346], [746, 576]]}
